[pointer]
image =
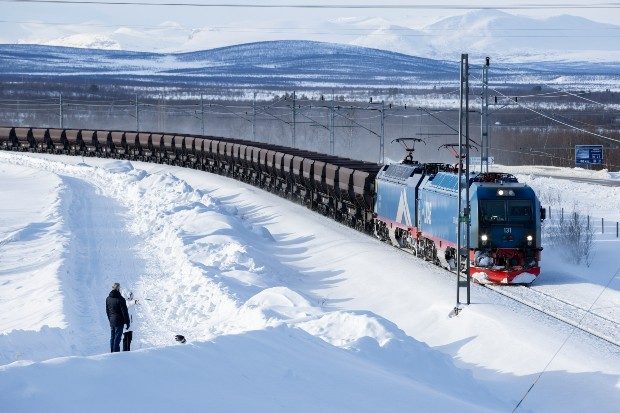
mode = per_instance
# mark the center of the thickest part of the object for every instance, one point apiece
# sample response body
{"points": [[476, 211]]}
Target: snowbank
{"points": [[278, 369], [207, 270], [30, 220], [284, 311]]}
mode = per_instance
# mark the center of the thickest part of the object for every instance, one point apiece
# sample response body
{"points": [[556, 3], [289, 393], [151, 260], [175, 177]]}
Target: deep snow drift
{"points": [[284, 310]]}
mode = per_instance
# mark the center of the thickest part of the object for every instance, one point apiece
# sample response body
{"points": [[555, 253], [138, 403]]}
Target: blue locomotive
{"points": [[416, 209]]}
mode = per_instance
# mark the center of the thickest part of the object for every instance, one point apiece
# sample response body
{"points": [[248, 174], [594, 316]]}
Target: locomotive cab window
{"points": [[520, 210], [493, 211], [502, 211]]}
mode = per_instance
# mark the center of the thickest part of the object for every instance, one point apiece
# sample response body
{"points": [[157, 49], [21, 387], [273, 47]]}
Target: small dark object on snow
{"points": [[179, 338], [127, 336], [455, 312]]}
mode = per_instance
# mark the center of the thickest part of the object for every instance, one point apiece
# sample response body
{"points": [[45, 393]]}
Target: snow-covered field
{"points": [[283, 309]]}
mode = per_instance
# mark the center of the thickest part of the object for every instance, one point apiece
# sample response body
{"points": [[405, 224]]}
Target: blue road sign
{"points": [[589, 154]]}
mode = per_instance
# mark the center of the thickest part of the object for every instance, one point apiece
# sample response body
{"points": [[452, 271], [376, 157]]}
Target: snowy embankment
{"points": [[32, 298], [284, 309]]}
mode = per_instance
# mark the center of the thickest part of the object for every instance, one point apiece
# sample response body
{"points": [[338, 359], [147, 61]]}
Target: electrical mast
{"points": [[484, 119], [463, 188]]}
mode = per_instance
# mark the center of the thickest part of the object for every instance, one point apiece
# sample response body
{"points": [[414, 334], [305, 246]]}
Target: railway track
{"points": [[573, 315], [585, 320], [576, 316]]}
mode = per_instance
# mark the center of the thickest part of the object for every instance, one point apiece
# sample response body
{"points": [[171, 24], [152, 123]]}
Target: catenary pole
{"points": [[254, 118], [467, 211], [202, 115], [332, 143], [382, 139], [459, 227], [137, 115], [463, 186], [484, 118], [61, 115], [294, 131]]}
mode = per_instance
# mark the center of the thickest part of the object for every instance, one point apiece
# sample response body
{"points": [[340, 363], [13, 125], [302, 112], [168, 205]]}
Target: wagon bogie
{"points": [[8, 140], [88, 142], [40, 141], [73, 142]]}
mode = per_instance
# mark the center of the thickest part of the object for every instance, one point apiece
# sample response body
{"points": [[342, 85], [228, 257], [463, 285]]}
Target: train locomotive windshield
{"points": [[519, 210], [500, 211]]}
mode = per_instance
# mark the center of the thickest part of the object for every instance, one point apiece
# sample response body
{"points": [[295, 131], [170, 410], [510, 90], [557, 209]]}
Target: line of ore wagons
{"points": [[338, 187]]}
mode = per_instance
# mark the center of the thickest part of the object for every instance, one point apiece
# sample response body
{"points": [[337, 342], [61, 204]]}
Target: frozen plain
{"points": [[283, 309]]}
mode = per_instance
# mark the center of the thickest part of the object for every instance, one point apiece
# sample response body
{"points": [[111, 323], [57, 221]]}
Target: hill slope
{"points": [[279, 64]]}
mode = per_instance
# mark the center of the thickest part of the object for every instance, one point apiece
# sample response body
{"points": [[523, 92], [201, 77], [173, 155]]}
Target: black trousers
{"points": [[115, 339]]}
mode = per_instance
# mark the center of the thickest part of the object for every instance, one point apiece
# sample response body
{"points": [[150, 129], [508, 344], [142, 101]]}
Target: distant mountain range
{"points": [[282, 64], [506, 37]]}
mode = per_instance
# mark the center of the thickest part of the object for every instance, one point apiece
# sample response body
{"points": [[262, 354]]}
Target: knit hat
{"points": [[116, 286]]}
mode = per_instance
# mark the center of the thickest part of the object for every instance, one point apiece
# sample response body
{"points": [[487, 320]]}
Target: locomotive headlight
{"points": [[484, 238], [500, 192], [529, 239]]}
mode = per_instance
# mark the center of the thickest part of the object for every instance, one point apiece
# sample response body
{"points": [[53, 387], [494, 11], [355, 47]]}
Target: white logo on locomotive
{"points": [[427, 213], [403, 209]]}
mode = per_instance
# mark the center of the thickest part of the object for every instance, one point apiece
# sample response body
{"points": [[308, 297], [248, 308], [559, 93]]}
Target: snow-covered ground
{"points": [[284, 310]]}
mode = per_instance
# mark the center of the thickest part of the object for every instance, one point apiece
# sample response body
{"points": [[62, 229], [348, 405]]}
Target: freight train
{"points": [[411, 205]]}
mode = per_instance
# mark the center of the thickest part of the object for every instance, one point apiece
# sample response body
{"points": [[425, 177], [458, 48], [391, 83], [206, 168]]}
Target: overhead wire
{"points": [[427, 6], [564, 91], [392, 28], [539, 375], [375, 33], [540, 113], [547, 95]]}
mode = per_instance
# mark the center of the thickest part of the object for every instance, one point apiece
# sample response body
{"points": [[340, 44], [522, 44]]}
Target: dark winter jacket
{"points": [[116, 308]]}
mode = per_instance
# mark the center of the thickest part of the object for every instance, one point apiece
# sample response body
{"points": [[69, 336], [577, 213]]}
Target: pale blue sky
{"points": [[241, 25]]}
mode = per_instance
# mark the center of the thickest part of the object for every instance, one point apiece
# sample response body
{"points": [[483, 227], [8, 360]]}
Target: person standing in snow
{"points": [[116, 309]]}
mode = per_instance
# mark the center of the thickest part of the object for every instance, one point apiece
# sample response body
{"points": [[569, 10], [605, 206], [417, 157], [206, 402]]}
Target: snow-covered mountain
{"points": [[507, 36], [382, 34], [288, 65], [503, 35], [523, 38], [284, 64]]}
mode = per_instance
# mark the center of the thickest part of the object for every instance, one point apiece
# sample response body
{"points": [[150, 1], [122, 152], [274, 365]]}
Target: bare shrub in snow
{"points": [[551, 197], [574, 238]]}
